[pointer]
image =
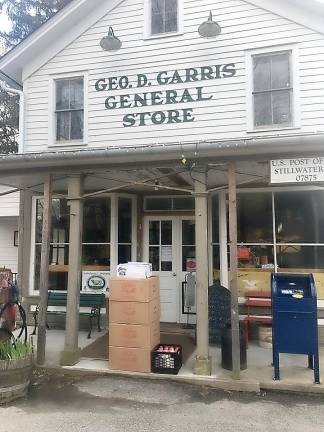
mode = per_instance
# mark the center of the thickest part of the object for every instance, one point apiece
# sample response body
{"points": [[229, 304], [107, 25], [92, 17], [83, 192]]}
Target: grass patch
{"points": [[14, 350]]}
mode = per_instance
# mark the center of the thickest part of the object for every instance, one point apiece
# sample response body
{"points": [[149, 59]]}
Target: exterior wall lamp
{"points": [[110, 42], [209, 28]]}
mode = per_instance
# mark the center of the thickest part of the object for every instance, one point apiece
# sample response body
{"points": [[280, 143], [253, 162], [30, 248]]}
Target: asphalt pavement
{"points": [[112, 404]]}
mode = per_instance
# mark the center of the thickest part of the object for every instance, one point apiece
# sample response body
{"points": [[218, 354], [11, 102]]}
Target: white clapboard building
{"points": [[139, 114]]}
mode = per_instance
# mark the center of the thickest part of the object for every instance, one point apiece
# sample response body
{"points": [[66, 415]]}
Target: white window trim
{"points": [[113, 234], [147, 22], [296, 121], [52, 142]]}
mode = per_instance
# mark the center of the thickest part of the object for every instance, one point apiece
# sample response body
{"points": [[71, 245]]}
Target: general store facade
{"points": [[138, 143]]}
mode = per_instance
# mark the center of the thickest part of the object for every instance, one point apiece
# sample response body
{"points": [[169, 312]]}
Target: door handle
{"points": [[174, 274]]}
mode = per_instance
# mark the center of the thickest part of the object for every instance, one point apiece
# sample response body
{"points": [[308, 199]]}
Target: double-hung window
{"points": [[164, 16], [272, 90], [69, 109]]}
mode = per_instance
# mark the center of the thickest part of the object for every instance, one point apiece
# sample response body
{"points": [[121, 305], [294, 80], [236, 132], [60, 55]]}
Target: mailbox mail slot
{"points": [[294, 319]]}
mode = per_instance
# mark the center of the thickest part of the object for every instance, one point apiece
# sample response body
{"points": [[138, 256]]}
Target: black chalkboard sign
{"points": [[219, 310]]}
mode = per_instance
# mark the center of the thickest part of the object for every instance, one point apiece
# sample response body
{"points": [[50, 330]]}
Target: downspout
{"points": [[20, 93]]}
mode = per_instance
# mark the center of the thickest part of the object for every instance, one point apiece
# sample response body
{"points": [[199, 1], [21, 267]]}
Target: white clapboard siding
{"points": [[244, 27], [8, 252], [9, 204]]}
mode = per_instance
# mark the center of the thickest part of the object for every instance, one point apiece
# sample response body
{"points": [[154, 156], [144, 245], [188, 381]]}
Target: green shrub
{"points": [[10, 350]]}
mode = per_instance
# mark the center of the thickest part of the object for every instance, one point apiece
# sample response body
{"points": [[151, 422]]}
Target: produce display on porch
{"points": [[16, 354]]}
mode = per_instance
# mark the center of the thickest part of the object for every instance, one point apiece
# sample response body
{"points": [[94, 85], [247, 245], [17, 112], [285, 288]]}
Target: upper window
{"points": [[69, 109], [272, 90], [164, 16]]}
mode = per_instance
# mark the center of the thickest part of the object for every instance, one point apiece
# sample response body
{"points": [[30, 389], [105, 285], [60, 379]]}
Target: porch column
{"points": [[71, 353], [24, 229], [43, 282], [233, 264], [223, 239], [202, 364]]}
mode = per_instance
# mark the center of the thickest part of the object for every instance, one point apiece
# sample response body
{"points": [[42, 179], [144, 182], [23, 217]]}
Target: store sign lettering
{"points": [[161, 97], [302, 170]]}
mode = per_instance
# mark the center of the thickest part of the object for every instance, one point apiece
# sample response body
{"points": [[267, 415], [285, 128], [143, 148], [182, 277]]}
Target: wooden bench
{"points": [[59, 299], [256, 299]]}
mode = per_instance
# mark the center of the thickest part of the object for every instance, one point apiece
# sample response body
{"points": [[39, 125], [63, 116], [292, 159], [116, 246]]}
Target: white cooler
{"points": [[136, 270]]}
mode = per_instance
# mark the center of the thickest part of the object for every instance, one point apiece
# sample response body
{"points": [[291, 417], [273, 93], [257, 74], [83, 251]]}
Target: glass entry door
{"points": [[160, 251], [169, 245]]}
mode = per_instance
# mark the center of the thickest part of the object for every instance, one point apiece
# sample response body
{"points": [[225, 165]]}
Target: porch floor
{"points": [[295, 376]]}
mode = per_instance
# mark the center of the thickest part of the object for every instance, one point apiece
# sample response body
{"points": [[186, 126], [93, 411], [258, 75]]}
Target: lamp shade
{"points": [[110, 42], [209, 28]]}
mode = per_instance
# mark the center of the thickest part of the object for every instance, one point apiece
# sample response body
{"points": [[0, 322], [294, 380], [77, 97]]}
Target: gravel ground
{"points": [[111, 404]]}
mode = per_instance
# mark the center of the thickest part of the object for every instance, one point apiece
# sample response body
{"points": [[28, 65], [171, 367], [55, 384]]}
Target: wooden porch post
{"points": [[202, 364], [71, 353], [43, 288], [233, 268]]}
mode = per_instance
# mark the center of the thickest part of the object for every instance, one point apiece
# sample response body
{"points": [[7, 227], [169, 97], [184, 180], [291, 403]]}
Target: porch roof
{"points": [[156, 166]]}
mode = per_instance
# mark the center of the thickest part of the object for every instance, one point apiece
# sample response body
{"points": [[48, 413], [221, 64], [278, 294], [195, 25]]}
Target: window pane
{"points": [[183, 203], [124, 220], [262, 109], [76, 94], [124, 254], [76, 125], [280, 71], [158, 204], [250, 256], [60, 221], [188, 232], [188, 256], [157, 6], [171, 22], [154, 257], [166, 258], [59, 254], [164, 16], [57, 280], [261, 73], [96, 255], [300, 257], [157, 24], [216, 262], [166, 232], [63, 126], [254, 212], [39, 221], [300, 217], [171, 5], [62, 94], [96, 220], [281, 107], [154, 233], [215, 220]]}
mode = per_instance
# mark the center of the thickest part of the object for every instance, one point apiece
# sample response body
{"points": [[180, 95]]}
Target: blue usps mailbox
{"points": [[294, 319]]}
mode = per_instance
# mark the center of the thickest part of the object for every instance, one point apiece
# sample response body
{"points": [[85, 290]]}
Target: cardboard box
{"points": [[129, 359], [134, 336], [134, 312], [137, 290]]}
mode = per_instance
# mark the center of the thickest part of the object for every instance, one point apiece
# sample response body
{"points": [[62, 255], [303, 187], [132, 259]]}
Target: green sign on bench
{"points": [[94, 301]]}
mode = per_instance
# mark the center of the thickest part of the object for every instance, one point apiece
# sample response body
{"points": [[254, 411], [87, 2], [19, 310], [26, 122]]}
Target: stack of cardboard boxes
{"points": [[134, 323]]}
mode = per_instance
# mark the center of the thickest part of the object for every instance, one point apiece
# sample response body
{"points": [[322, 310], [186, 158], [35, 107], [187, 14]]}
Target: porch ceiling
{"points": [[164, 179]]}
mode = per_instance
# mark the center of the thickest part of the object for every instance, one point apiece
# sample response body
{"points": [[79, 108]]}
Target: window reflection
{"points": [[96, 220], [300, 257], [300, 217], [254, 218]]}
